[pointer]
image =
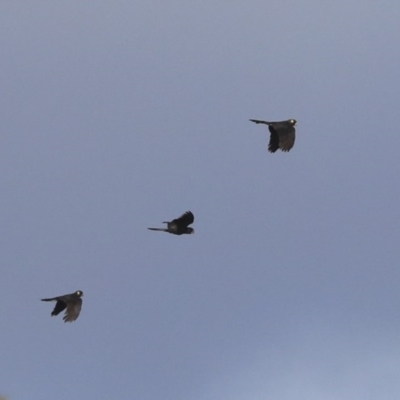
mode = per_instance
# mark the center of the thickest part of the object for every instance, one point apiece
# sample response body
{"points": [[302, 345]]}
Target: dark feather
{"points": [[283, 134], [71, 302], [178, 226]]}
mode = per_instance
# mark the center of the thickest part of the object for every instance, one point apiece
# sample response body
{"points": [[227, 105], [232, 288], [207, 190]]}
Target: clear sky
{"points": [[116, 116]]}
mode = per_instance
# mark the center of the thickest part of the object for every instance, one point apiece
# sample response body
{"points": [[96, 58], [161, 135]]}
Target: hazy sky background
{"points": [[116, 116]]}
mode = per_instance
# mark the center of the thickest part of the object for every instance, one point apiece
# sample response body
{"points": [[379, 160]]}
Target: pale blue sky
{"points": [[116, 116]]}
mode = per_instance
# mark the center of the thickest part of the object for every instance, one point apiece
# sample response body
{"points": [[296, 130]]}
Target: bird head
{"points": [[292, 122], [79, 293]]}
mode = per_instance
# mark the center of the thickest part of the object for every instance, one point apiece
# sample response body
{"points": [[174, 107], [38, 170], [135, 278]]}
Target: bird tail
{"points": [[257, 121], [158, 229]]}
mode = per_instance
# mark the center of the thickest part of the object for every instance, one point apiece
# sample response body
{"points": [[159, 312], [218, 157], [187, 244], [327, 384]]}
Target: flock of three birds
{"points": [[282, 137]]}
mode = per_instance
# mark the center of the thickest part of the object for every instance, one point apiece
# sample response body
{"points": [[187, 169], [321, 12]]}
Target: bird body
{"points": [[178, 226], [71, 302], [283, 134]]}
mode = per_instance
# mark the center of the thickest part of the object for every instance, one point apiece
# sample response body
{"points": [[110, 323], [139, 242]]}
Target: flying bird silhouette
{"points": [[71, 302], [283, 134], [179, 225]]}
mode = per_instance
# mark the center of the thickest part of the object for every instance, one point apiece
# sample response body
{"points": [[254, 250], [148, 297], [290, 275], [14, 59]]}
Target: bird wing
{"points": [[73, 310], [185, 219], [286, 138], [60, 306], [273, 145]]}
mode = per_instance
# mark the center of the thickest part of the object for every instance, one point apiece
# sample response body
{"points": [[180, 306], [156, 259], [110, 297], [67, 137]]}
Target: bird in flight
{"points": [[71, 302], [282, 136], [179, 225]]}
